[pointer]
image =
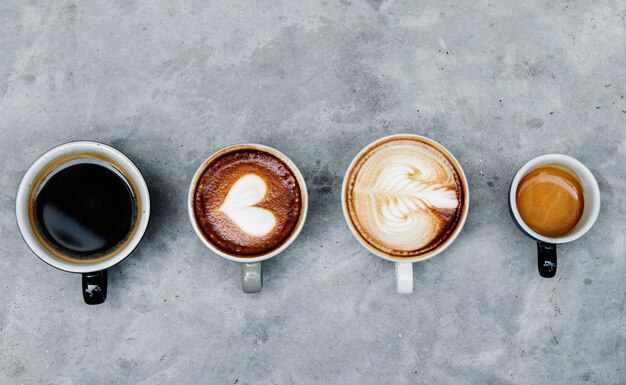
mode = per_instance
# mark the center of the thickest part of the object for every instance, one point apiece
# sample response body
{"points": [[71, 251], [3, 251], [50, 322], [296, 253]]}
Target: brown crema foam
{"points": [[550, 200], [405, 197], [282, 198]]}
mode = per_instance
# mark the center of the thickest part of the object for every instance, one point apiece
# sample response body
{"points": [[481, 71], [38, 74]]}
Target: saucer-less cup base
{"points": [[94, 280], [251, 269], [546, 246], [404, 267]]}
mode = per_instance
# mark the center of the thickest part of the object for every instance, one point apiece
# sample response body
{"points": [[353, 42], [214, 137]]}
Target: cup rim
{"points": [[447, 242], [34, 171], [568, 161], [254, 146]]}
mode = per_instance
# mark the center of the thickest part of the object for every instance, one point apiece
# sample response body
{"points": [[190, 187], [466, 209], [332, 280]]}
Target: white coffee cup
{"points": [[404, 266], [94, 272], [251, 272], [546, 246]]}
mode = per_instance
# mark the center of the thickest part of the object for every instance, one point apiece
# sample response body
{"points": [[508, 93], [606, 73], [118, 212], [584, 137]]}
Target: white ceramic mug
{"points": [[251, 272], [546, 246], [404, 266], [94, 272]]}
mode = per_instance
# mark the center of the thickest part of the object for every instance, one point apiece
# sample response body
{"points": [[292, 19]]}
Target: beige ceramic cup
{"points": [[251, 272]]}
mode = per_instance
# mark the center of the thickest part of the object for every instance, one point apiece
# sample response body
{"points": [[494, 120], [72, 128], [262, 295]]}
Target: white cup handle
{"points": [[404, 277]]}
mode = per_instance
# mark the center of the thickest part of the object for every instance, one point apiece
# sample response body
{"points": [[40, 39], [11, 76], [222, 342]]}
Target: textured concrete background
{"points": [[169, 82]]}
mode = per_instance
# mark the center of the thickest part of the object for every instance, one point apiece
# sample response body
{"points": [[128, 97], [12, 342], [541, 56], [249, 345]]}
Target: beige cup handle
{"points": [[251, 277]]}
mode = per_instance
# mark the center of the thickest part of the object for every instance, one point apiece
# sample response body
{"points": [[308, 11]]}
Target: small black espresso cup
{"points": [[83, 207], [546, 246]]}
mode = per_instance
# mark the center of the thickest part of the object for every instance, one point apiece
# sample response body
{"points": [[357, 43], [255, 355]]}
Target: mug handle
{"points": [[251, 277], [95, 287], [546, 259], [404, 277]]}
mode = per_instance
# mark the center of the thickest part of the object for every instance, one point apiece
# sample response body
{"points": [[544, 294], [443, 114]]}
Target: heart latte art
{"points": [[404, 197], [247, 202], [239, 206]]}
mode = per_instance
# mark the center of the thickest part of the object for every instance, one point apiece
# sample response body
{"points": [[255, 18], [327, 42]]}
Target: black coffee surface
{"points": [[85, 210]]}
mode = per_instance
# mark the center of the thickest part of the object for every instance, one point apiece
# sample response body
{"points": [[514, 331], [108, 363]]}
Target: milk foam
{"points": [[239, 206], [398, 193]]}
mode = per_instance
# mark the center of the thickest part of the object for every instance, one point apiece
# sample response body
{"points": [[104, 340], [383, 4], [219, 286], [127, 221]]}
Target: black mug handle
{"points": [[95, 287], [546, 259]]}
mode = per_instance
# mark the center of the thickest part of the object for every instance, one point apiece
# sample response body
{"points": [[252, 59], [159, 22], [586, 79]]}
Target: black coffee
{"points": [[85, 210]]}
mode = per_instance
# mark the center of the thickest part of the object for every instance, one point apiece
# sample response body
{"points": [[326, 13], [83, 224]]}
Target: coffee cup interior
{"points": [[591, 194], [196, 226], [47, 163], [463, 212]]}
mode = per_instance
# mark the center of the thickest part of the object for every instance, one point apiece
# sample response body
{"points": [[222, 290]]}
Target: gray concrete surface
{"points": [[169, 82]]}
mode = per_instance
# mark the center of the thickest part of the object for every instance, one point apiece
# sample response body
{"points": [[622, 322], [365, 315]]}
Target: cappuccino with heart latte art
{"points": [[247, 202], [405, 197]]}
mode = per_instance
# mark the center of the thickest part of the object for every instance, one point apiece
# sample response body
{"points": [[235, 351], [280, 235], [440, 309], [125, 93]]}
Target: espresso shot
{"points": [[553, 199]]}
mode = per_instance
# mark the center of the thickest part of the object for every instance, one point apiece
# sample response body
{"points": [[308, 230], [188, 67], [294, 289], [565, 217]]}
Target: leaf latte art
{"points": [[405, 198]]}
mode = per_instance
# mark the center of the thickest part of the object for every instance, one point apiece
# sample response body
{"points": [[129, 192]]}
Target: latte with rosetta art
{"points": [[405, 197], [247, 202]]}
